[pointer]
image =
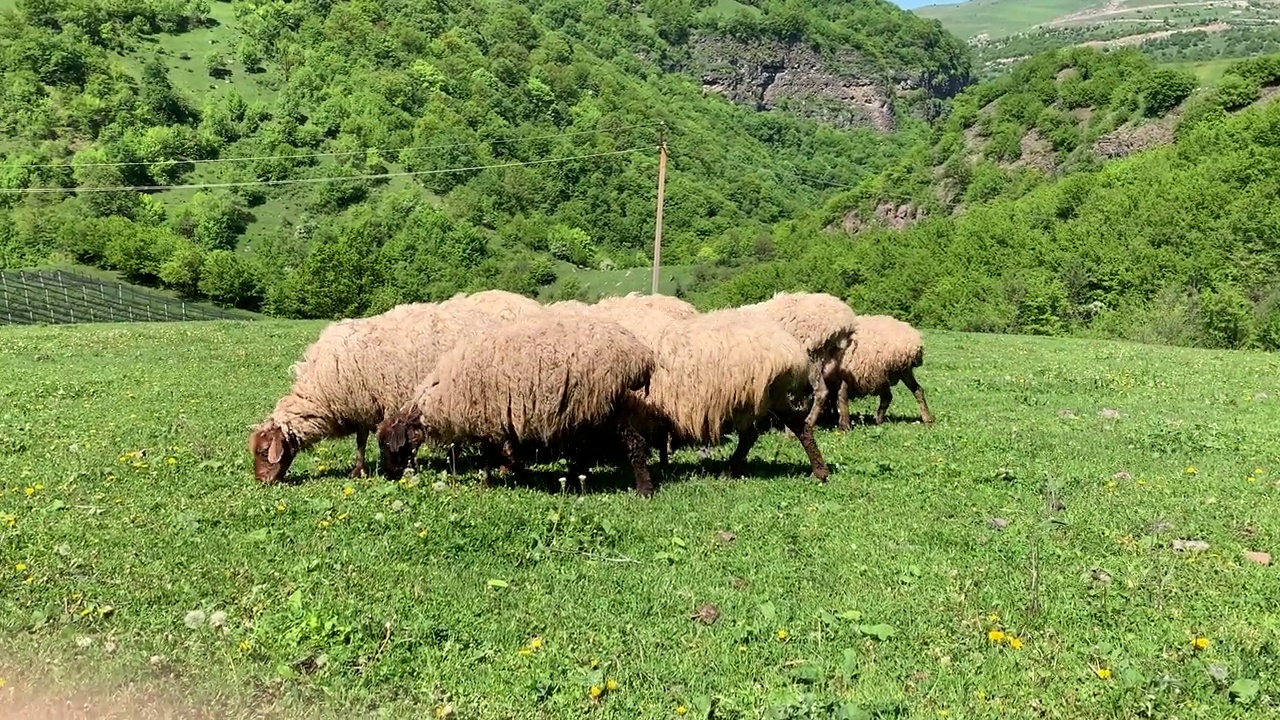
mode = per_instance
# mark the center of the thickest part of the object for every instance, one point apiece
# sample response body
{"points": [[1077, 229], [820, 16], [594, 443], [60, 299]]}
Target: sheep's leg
{"points": [[638, 453], [910, 381], [362, 439], [804, 434], [747, 436], [664, 448], [819, 384], [886, 397], [842, 404]]}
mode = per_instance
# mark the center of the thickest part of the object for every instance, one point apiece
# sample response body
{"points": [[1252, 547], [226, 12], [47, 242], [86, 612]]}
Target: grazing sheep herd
{"points": [[588, 383]]}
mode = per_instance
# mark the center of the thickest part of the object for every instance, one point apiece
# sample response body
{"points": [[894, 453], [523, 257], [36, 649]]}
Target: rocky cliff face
{"points": [[844, 89]]}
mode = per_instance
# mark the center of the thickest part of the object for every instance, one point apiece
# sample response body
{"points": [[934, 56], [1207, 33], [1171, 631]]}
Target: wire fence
{"points": [[59, 297]]}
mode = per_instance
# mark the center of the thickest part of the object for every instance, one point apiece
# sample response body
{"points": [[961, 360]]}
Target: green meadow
{"points": [[1067, 541]]}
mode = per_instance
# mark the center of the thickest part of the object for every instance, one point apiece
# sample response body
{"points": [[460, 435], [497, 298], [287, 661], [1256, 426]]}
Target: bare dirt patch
{"points": [[1139, 38]]}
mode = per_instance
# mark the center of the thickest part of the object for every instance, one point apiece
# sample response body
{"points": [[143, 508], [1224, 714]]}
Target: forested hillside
{"points": [[321, 158], [1176, 243]]}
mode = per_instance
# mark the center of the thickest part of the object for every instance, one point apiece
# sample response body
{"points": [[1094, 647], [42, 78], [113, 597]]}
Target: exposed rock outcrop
{"points": [[844, 90]]}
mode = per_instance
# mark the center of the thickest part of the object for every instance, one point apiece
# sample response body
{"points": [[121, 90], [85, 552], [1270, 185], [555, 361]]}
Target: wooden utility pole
{"points": [[657, 228]]}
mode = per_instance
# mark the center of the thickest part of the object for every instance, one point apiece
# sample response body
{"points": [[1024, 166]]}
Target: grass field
{"points": [[999, 18], [140, 562]]}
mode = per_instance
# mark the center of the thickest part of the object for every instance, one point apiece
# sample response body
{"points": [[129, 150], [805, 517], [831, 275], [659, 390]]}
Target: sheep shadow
{"points": [[831, 421], [685, 464]]}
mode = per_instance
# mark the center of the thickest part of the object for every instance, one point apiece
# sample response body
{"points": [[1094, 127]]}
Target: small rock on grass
{"points": [[998, 523], [725, 537], [706, 614], [1190, 545], [1257, 557], [1109, 413]]}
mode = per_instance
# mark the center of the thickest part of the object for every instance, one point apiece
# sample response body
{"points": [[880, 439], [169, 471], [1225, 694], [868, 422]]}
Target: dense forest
{"points": [[1175, 244], [452, 120], [322, 159]]}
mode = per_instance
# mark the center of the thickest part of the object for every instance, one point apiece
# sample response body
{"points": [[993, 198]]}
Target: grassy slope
{"points": [[998, 18], [901, 535]]}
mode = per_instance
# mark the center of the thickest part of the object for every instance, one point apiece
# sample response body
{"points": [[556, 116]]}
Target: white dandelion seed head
{"points": [[218, 619], [194, 619]]}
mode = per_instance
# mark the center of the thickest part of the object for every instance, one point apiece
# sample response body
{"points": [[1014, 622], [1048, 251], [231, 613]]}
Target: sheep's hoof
{"points": [[358, 472]]}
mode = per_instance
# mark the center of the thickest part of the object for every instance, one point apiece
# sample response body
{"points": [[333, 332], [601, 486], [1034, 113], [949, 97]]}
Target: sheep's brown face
{"points": [[273, 453], [399, 438]]}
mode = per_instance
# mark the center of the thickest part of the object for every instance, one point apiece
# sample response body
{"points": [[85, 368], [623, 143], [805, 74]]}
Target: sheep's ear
{"points": [[275, 452], [397, 435]]}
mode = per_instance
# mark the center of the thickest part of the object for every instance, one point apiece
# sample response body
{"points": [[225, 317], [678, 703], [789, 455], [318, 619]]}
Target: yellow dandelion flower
{"points": [[348, 490], [535, 642], [1200, 643], [30, 490], [281, 507], [1191, 470], [782, 635], [1015, 642], [1104, 673], [324, 523], [681, 710], [171, 461], [245, 646], [995, 636], [1252, 479], [20, 567], [611, 685], [422, 533], [39, 486], [321, 467], [596, 692]]}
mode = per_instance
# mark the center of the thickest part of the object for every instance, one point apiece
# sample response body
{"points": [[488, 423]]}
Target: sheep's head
{"points": [[399, 438], [273, 448]]}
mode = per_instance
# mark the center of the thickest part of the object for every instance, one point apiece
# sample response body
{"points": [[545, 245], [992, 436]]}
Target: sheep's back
{"points": [[538, 380], [714, 366], [817, 320]]}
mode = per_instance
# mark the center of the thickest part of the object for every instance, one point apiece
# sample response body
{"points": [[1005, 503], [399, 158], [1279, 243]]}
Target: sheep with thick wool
{"points": [[355, 374], [728, 368], [537, 383], [508, 306], [887, 352], [826, 328], [666, 304]]}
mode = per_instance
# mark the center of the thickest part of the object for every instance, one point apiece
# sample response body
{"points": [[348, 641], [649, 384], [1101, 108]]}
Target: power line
{"points": [[298, 181], [344, 153]]}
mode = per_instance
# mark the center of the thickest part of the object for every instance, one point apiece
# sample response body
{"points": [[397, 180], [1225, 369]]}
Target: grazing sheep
{"points": [[506, 305], [728, 367], [887, 352], [643, 319], [673, 306], [823, 325], [545, 382], [357, 372]]}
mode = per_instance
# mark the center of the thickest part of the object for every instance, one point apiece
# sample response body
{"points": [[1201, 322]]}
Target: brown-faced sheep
{"points": [[537, 383], [825, 328], [672, 306], [507, 305], [357, 372], [729, 368], [887, 352]]}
